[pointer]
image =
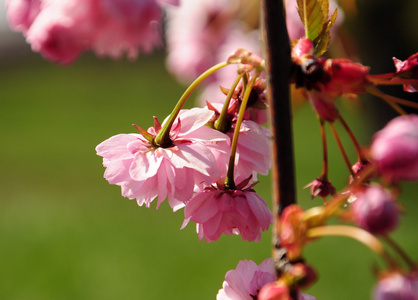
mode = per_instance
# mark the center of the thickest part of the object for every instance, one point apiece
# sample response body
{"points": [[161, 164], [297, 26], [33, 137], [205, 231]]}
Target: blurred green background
{"points": [[67, 234]]}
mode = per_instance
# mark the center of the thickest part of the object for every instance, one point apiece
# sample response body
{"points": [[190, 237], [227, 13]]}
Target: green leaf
{"points": [[322, 41], [314, 14]]}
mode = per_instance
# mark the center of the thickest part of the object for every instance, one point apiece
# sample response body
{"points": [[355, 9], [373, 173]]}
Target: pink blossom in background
{"points": [[246, 280], [145, 171], [394, 149], [218, 210], [22, 13], [195, 31], [397, 286], [375, 210], [61, 30]]}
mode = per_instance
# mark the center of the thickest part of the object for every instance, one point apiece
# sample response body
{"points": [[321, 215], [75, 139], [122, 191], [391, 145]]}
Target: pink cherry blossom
{"points": [[145, 171], [22, 13], [254, 149], [394, 149], [397, 286], [246, 280], [218, 210], [375, 210], [61, 29]]}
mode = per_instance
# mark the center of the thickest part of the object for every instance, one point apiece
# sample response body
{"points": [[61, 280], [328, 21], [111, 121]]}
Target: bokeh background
{"points": [[65, 233]]}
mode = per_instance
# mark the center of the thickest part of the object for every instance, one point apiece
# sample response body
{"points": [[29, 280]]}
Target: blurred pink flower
{"points": [[218, 210], [395, 148], [375, 210], [60, 30], [145, 171], [22, 13], [245, 282], [397, 286], [195, 32]]}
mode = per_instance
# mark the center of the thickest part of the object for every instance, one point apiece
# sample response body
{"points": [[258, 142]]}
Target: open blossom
{"points": [[218, 210], [375, 210], [249, 281], [145, 171], [394, 149], [245, 282], [254, 149], [61, 30]]}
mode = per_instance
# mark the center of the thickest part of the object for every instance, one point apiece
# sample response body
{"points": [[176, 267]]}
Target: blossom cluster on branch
{"points": [[207, 159]]}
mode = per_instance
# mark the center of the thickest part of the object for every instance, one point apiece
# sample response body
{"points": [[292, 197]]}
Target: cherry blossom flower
{"points": [[22, 13], [60, 30], [254, 150], [397, 286], [245, 282], [218, 209], [195, 31], [375, 210], [249, 281], [394, 149], [145, 171]]}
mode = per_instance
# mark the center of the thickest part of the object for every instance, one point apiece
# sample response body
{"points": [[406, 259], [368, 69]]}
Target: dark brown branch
{"points": [[278, 68]]}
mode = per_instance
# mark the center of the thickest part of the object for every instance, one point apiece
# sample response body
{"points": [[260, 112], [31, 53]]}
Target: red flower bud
{"points": [[375, 210]]}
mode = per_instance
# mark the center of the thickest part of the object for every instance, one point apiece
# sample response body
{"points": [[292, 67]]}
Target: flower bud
{"points": [[396, 286], [321, 187], [375, 210], [274, 291], [347, 77], [303, 47], [395, 149]]}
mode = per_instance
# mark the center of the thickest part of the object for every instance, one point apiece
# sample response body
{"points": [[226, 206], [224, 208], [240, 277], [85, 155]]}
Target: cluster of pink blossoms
{"points": [[187, 162], [60, 30], [251, 281]]}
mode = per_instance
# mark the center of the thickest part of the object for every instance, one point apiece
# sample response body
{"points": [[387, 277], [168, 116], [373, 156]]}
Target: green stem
{"points": [[411, 264], [342, 150], [355, 233], [229, 181], [221, 123], [163, 137]]}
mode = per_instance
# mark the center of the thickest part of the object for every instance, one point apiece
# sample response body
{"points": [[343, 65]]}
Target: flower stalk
{"points": [[163, 137]]}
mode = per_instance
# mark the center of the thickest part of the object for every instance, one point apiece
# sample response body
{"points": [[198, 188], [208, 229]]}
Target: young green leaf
{"points": [[314, 14], [322, 41]]}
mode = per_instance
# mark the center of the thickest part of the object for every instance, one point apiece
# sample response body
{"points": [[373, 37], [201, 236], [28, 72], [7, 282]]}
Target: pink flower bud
{"points": [[304, 47], [396, 286], [395, 149], [347, 77], [375, 210], [274, 291], [292, 231], [408, 69]]}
